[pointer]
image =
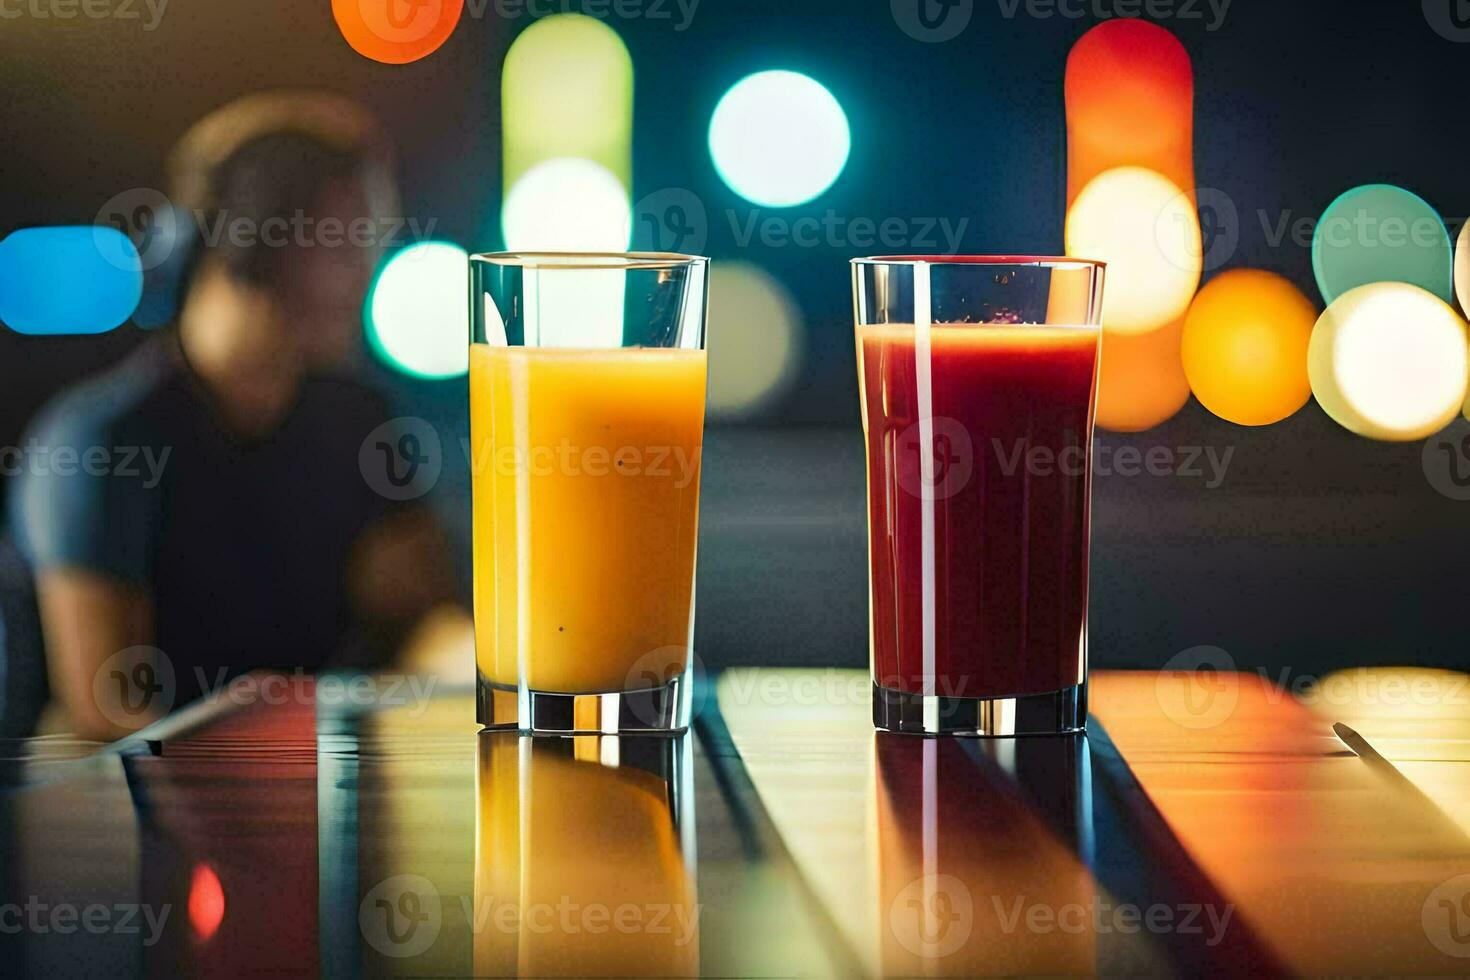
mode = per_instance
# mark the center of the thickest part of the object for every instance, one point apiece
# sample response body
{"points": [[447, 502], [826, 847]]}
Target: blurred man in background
{"points": [[244, 535]]}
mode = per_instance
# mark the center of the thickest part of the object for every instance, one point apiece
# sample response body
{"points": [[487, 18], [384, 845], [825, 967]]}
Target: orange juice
{"points": [[586, 498]]}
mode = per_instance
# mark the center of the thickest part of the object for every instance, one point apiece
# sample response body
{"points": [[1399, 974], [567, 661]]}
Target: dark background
{"points": [[1318, 549]]}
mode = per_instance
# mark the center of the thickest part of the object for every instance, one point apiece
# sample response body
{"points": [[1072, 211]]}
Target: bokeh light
{"points": [[68, 280], [1244, 347], [418, 311], [567, 91], [1147, 231], [377, 30], [206, 902], [1462, 269], [1390, 361], [1141, 382], [755, 340], [778, 138], [567, 205], [1381, 233], [1130, 178], [573, 205], [1130, 101]]}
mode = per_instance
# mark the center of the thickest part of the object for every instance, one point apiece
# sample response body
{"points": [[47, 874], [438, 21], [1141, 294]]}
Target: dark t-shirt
{"points": [[243, 546]]}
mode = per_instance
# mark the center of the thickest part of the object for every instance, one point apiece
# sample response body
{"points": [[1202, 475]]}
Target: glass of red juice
{"points": [[979, 391]]}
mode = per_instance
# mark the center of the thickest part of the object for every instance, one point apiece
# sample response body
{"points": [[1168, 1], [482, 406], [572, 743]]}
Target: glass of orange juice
{"points": [[587, 395]]}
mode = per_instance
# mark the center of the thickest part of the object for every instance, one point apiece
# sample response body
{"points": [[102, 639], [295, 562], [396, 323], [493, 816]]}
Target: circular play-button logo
{"points": [[933, 916], [397, 32], [932, 21], [135, 686], [401, 916]]}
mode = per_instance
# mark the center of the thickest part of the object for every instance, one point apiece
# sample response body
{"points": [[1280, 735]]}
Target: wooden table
{"points": [[1208, 824]]}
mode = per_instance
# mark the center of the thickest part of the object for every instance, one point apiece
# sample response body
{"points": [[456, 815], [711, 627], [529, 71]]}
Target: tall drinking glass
{"points": [[979, 388], [587, 395]]}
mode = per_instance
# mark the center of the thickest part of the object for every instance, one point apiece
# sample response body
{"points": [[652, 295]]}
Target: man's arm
{"points": [[86, 618]]}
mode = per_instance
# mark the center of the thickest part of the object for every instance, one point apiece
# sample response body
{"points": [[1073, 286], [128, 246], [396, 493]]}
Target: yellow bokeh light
{"points": [[1462, 283], [1390, 361], [1244, 347], [1147, 230], [754, 340], [567, 91]]}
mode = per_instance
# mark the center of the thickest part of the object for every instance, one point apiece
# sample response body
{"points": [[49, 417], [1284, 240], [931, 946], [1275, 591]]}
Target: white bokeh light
{"points": [[779, 139], [418, 313], [1389, 361], [1147, 230], [567, 204]]}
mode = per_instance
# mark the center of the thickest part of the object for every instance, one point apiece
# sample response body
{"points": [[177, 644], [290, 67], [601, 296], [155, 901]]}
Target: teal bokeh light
{"points": [[418, 314], [779, 138], [1382, 233], [68, 280]]}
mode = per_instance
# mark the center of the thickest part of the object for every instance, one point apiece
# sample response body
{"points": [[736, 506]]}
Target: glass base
{"points": [[495, 704], [1061, 712], [658, 710]]}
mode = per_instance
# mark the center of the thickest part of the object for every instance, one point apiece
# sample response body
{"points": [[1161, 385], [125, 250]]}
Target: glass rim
{"points": [[1031, 261], [591, 260]]}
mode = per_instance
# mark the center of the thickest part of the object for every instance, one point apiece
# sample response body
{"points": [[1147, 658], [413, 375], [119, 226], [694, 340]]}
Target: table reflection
{"points": [[584, 857], [971, 879]]}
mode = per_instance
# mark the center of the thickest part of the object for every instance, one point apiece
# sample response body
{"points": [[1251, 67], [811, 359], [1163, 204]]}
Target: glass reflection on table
{"points": [[584, 857], [975, 878]]}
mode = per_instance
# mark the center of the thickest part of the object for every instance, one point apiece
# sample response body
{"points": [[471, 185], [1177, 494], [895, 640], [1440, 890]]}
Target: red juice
{"points": [[1004, 499]]}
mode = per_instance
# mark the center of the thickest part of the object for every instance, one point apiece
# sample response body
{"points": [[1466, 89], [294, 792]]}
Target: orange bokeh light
{"points": [[397, 32], [1141, 383], [1245, 347], [1130, 102]]}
